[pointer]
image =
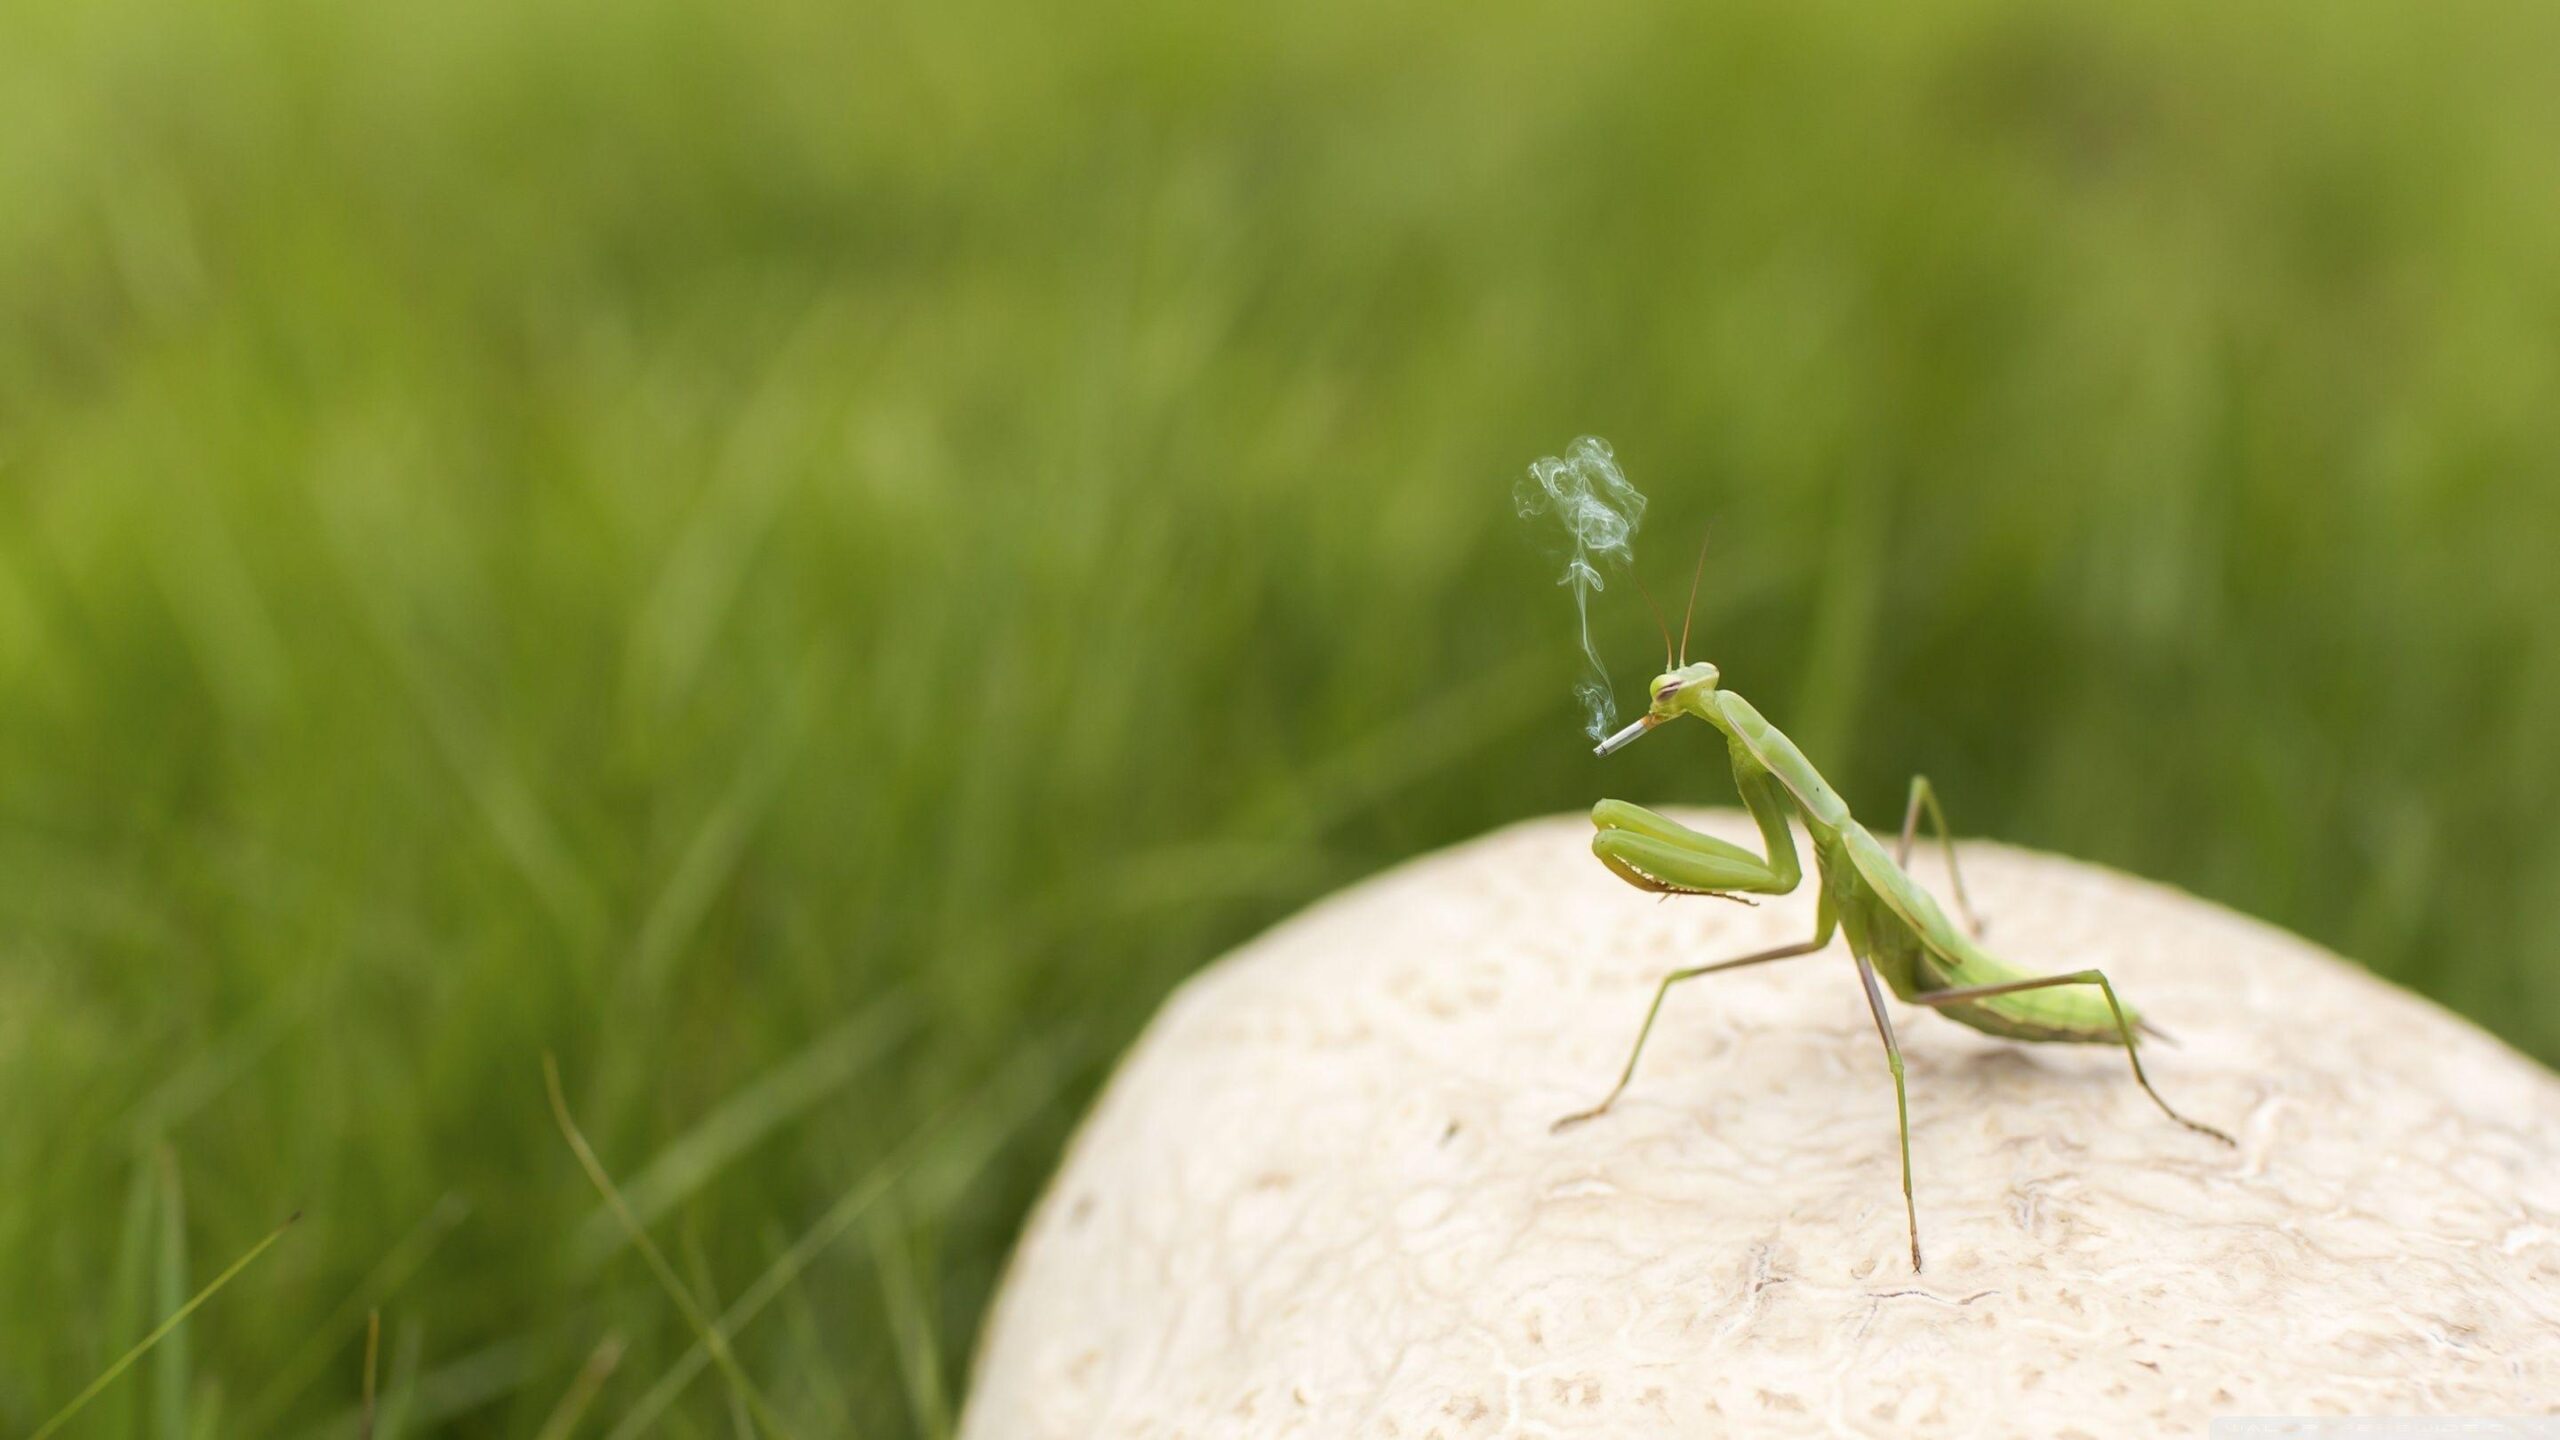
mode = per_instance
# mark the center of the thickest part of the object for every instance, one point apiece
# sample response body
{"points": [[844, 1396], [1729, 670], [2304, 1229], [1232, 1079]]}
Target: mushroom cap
{"points": [[1320, 1196]]}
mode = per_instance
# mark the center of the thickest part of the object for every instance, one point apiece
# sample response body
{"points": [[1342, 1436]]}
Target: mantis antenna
{"points": [[1689, 613], [1658, 622]]}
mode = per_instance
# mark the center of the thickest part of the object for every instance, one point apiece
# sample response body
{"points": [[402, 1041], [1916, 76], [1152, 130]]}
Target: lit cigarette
{"points": [[1624, 738]]}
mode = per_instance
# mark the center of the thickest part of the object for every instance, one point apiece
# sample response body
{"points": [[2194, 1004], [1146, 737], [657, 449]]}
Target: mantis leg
{"points": [[2124, 1030], [1783, 952], [1653, 852], [1901, 1099], [1923, 795]]}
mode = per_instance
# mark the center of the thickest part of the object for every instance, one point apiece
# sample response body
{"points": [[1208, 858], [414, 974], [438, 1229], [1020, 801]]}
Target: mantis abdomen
{"points": [[1948, 959]]}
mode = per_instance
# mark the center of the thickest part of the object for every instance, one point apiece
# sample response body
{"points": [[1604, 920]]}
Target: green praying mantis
{"points": [[1894, 927]]}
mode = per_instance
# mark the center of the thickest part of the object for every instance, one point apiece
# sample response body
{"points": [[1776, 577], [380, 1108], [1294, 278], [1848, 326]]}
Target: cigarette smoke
{"points": [[1600, 511]]}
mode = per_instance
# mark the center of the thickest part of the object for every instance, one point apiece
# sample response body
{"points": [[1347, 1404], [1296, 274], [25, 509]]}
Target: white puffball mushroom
{"points": [[1320, 1197]]}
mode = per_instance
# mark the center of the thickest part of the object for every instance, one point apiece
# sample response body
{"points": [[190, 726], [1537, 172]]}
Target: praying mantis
{"points": [[1895, 929]]}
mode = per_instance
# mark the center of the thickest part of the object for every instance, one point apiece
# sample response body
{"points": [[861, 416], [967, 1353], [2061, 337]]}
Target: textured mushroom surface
{"points": [[1320, 1197]]}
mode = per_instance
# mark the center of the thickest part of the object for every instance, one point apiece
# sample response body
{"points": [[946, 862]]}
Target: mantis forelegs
{"points": [[1783, 952], [1924, 795], [2124, 1031], [1653, 852]]}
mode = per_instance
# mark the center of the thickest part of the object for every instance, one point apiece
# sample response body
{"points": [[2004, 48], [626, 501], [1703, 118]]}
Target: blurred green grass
{"points": [[814, 563]]}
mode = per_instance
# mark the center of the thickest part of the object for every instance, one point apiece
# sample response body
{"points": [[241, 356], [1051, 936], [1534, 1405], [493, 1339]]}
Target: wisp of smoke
{"points": [[1589, 494]]}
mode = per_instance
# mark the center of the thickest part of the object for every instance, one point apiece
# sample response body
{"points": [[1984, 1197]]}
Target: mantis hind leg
{"points": [[2124, 1029], [1783, 952], [1925, 796], [1901, 1100]]}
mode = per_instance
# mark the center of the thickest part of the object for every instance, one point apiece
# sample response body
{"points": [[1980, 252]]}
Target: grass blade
{"points": [[172, 1367], [910, 1324], [675, 1287], [1003, 1103], [399, 1398], [129, 1292], [600, 1366], [161, 1331], [773, 1098], [386, 1277], [372, 1359]]}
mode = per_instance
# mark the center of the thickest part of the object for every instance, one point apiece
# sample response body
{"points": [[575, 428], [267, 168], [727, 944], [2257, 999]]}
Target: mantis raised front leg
{"points": [[1655, 853]]}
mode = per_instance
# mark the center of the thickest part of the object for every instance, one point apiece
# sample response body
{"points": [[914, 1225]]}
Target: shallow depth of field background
{"points": [[814, 563]]}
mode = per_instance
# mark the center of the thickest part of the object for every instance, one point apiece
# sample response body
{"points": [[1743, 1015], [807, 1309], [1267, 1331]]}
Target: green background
{"points": [[814, 561]]}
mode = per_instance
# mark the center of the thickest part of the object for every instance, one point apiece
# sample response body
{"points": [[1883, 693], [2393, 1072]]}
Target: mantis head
{"points": [[1676, 692]]}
